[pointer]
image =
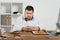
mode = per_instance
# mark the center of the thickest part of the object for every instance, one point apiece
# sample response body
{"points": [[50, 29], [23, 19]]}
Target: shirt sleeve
{"points": [[17, 24], [39, 24]]}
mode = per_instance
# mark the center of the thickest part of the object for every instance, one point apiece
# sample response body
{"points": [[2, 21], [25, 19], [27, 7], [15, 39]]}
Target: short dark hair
{"points": [[29, 8]]}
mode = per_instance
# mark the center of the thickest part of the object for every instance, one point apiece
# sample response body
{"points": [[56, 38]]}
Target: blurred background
{"points": [[46, 11]]}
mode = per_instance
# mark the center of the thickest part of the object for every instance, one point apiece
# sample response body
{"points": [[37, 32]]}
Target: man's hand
{"points": [[30, 28], [35, 28]]}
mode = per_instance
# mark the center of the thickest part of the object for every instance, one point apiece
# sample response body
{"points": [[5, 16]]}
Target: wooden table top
{"points": [[30, 36]]}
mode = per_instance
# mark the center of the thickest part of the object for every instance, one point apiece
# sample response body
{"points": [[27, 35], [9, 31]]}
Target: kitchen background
{"points": [[46, 11]]}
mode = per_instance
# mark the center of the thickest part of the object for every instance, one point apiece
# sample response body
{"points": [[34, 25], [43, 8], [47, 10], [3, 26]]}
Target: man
{"points": [[28, 23]]}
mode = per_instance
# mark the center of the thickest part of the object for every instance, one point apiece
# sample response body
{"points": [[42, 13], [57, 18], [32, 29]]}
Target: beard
{"points": [[28, 18]]}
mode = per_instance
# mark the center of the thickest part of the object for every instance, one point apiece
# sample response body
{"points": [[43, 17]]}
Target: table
{"points": [[30, 36]]}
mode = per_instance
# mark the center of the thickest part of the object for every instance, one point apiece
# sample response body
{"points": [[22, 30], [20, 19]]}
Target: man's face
{"points": [[28, 14]]}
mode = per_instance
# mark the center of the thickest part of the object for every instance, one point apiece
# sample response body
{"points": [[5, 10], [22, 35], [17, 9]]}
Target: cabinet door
{"points": [[8, 20], [3, 20]]}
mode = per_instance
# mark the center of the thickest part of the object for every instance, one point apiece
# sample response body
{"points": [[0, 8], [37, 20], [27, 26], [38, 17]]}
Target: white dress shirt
{"points": [[20, 22]]}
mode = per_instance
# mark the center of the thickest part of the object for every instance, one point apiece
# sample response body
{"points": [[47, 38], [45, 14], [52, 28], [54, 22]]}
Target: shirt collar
{"points": [[26, 19]]}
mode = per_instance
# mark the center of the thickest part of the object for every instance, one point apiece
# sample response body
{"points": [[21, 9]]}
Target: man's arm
{"points": [[31, 28], [35, 28]]}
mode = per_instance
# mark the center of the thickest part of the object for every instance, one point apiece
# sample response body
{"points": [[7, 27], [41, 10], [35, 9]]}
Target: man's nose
{"points": [[28, 14]]}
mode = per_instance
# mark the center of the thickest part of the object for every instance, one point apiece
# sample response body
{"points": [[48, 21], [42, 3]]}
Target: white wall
{"points": [[45, 10], [49, 10]]}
